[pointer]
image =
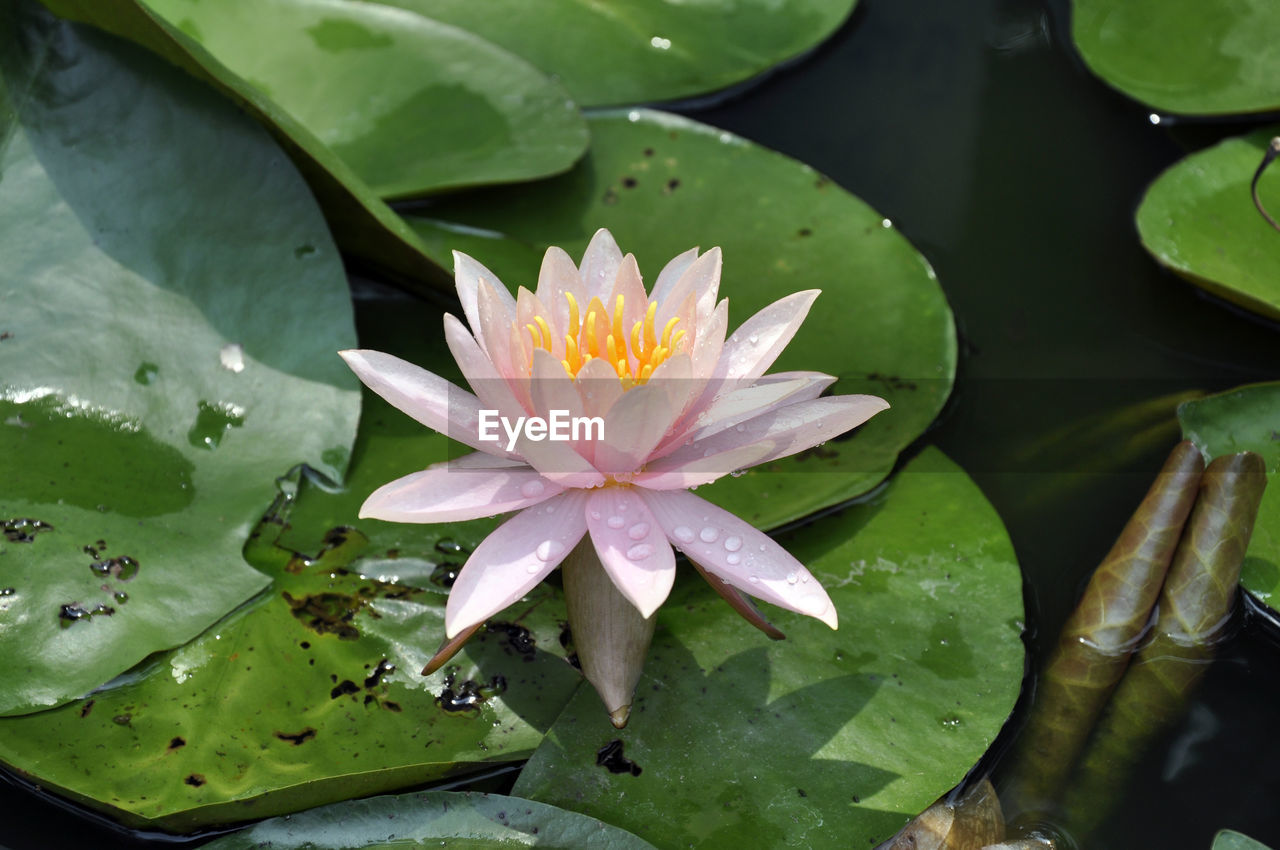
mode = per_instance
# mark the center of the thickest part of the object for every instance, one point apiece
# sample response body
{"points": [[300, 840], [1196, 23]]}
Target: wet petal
{"points": [[430, 399], [467, 274], [739, 554], [768, 436], [456, 494], [632, 547], [634, 425], [752, 348], [600, 264], [557, 276], [671, 274], [513, 558], [494, 317]]}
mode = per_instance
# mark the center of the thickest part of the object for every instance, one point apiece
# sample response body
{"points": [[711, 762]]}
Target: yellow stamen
{"points": [[533, 334], [617, 319], [611, 349], [645, 373], [546, 332], [635, 341], [666, 332], [676, 341], [568, 368], [573, 314], [593, 346], [649, 339]]}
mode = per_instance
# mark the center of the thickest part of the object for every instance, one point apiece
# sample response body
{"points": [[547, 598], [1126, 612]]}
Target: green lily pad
{"points": [[1184, 56], [363, 225], [663, 184], [289, 703], [479, 821], [169, 302], [832, 739], [412, 105], [1229, 839], [636, 51], [1199, 220], [1246, 419]]}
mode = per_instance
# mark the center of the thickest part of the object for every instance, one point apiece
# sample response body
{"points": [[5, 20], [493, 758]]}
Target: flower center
{"points": [[596, 335]]}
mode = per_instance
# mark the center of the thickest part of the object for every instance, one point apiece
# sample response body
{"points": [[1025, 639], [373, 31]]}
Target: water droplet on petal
{"points": [[549, 549], [639, 552], [638, 531], [733, 559], [615, 521], [740, 428], [683, 533], [533, 568], [733, 544], [753, 339], [792, 578], [708, 534], [595, 515], [753, 579], [532, 489]]}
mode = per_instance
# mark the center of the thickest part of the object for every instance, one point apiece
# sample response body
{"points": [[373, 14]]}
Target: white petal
{"points": [[632, 547], [467, 274], [558, 276], [513, 558], [735, 551], [769, 436], [752, 348], [634, 425], [456, 494], [600, 264], [671, 274], [428, 398]]}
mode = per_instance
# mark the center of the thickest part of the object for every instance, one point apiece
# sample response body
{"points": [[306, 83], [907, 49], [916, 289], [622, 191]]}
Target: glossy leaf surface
{"points": [[312, 694], [412, 105], [826, 738], [363, 225], [1246, 419], [1199, 220], [440, 818], [166, 353], [663, 184], [641, 51], [1184, 56]]}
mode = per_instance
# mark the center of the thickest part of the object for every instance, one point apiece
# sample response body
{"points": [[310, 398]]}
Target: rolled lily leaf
{"points": [[970, 823], [1194, 606], [1103, 631]]}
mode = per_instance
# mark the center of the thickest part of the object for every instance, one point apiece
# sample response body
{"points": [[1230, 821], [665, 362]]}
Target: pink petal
{"points": [[558, 276], [631, 546], [768, 393], [634, 425], [600, 264], [552, 389], [428, 398], [494, 336], [467, 274], [479, 460], [671, 274], [630, 286], [753, 347], [555, 460], [733, 550], [513, 558], [599, 387], [771, 435], [456, 494]]}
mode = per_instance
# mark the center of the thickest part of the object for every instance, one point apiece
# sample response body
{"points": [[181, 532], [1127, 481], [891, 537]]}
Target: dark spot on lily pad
{"points": [[177, 743], [23, 529], [344, 688], [297, 738], [86, 708], [195, 780], [611, 758], [519, 639], [467, 697]]}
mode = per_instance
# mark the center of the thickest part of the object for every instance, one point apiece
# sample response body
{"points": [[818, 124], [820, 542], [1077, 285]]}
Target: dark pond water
{"points": [[974, 127]]}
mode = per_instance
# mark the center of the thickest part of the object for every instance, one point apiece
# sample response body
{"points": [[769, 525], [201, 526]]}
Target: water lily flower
{"points": [[675, 404]]}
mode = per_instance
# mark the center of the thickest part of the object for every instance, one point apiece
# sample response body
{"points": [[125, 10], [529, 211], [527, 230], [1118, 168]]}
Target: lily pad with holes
{"points": [[1184, 56], [169, 302], [1246, 419], [312, 693], [1199, 219], [663, 184], [440, 818], [832, 739], [639, 51]]}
